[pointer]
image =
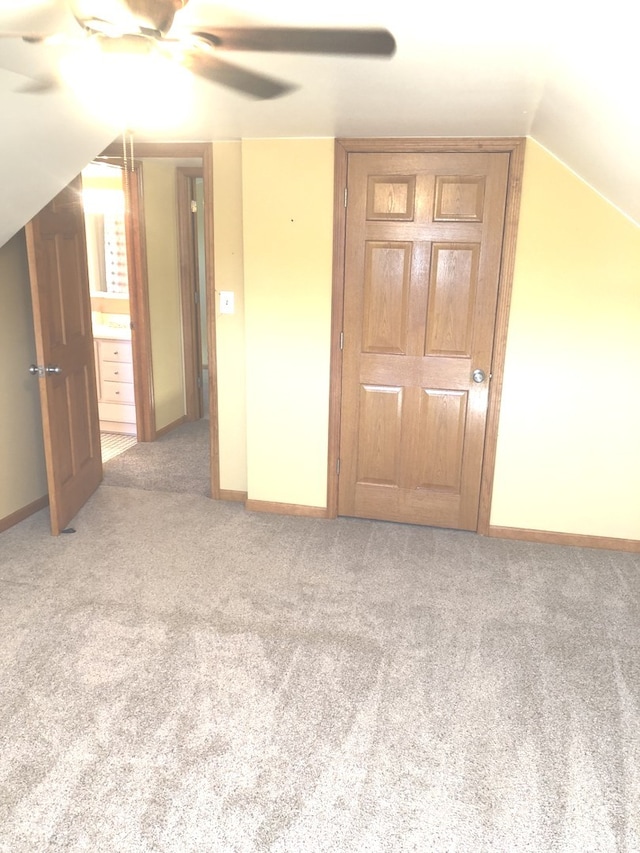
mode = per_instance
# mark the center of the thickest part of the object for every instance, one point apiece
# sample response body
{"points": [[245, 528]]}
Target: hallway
{"points": [[176, 462]]}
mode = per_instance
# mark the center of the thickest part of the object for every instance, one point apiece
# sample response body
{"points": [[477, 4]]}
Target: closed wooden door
{"points": [[422, 261], [64, 349]]}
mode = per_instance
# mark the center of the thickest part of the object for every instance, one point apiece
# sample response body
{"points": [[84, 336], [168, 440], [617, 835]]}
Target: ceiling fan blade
{"points": [[28, 37], [363, 42], [216, 70], [41, 85]]}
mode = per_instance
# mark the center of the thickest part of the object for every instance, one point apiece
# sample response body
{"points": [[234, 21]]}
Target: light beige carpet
{"points": [[176, 462], [180, 676]]}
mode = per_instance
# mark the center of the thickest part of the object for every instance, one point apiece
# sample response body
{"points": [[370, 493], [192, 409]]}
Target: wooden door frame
{"points": [[178, 151], [515, 147], [139, 307], [187, 245]]}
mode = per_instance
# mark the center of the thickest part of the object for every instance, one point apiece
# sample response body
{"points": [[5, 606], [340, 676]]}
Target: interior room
{"points": [[386, 261]]}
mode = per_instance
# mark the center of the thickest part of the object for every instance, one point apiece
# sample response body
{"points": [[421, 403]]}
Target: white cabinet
{"points": [[114, 376]]}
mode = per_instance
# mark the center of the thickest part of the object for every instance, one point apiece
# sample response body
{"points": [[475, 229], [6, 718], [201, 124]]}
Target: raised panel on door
{"points": [[452, 293], [422, 263], [380, 431], [386, 297], [439, 430], [391, 198], [459, 198], [80, 391]]}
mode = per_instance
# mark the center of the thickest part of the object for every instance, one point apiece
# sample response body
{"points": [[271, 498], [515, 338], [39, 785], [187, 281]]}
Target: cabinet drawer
{"points": [[115, 371], [117, 392], [117, 412], [114, 351]]}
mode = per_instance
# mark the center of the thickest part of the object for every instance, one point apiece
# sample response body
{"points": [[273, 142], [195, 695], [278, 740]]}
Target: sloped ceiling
{"points": [[566, 76]]}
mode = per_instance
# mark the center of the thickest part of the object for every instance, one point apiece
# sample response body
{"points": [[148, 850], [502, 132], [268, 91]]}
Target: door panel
{"points": [[422, 261], [380, 425], [452, 292], [440, 436], [386, 297], [62, 321]]}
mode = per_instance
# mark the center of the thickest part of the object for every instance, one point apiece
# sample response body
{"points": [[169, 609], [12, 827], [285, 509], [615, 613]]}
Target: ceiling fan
{"points": [[143, 26]]}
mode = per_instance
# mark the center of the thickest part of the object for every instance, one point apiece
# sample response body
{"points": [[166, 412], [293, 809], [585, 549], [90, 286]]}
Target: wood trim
{"points": [[286, 509], [20, 514], [231, 495], [430, 145], [139, 309], [207, 184], [169, 427], [171, 150], [190, 332], [505, 287], [337, 311], [515, 147], [578, 540]]}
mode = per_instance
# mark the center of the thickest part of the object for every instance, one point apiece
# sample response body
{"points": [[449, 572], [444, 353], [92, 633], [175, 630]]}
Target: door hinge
{"points": [[196, 297], [341, 340], [194, 206], [199, 381], [338, 466], [346, 196]]}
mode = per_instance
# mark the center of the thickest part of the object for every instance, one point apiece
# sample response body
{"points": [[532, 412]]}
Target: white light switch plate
{"points": [[226, 301]]}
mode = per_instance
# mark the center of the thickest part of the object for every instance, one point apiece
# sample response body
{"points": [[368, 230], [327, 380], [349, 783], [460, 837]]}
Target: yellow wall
{"points": [[288, 214], [568, 451], [569, 438], [164, 289], [22, 468], [230, 338]]}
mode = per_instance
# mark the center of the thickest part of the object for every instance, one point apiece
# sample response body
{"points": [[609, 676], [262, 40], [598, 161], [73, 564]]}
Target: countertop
{"points": [[114, 333]]}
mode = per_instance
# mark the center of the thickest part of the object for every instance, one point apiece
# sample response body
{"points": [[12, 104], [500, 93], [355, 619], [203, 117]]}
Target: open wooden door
{"points": [[64, 347]]}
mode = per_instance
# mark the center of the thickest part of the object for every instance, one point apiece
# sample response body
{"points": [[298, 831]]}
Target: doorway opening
{"points": [[148, 273], [422, 279], [103, 197]]}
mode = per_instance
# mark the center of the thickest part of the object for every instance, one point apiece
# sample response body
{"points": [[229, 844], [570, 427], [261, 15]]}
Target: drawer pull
{"points": [[116, 372]]}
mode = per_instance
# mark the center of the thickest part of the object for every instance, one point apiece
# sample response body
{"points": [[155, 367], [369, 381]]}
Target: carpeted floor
{"points": [[181, 676], [176, 462]]}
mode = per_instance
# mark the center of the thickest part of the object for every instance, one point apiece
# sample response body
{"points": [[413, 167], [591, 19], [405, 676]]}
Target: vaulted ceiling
{"points": [[567, 76]]}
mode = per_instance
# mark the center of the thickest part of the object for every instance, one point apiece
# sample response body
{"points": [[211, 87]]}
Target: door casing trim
{"points": [[188, 270], [515, 147]]}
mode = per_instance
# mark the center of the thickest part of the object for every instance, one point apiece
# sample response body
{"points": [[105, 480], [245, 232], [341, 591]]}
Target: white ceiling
{"points": [[567, 76]]}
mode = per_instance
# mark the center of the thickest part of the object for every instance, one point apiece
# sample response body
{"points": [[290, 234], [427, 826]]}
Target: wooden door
{"points": [[64, 345], [422, 260]]}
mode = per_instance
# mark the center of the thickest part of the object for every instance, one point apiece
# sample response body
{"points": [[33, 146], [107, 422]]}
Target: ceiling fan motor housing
{"points": [[122, 17]]}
